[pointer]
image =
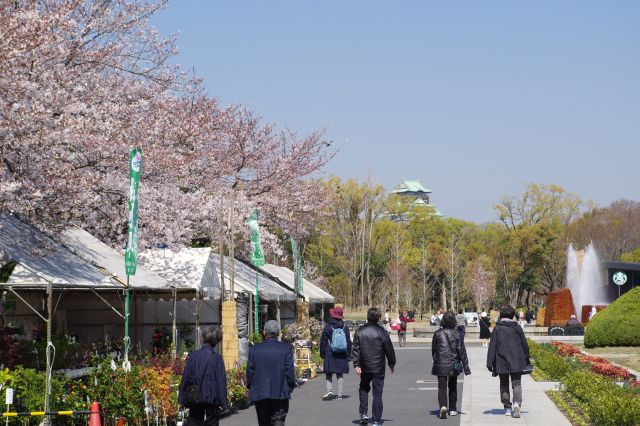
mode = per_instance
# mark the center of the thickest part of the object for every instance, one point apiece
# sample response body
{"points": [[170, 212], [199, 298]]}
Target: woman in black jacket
{"points": [[447, 349], [485, 329], [508, 357]]}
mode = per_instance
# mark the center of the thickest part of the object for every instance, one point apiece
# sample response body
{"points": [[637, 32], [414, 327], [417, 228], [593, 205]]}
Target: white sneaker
{"points": [[516, 411], [507, 411], [453, 413], [443, 412], [327, 396]]}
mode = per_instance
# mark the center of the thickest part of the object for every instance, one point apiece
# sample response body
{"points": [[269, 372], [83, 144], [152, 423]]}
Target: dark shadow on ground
{"points": [[500, 412], [357, 422], [334, 398]]}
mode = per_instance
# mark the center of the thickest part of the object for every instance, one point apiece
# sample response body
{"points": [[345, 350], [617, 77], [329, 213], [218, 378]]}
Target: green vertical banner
{"points": [[257, 258], [135, 164]]}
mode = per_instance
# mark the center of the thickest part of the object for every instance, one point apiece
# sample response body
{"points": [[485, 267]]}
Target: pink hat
{"points": [[336, 312]]}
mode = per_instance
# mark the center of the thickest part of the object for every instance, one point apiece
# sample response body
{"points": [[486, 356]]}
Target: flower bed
{"points": [[120, 393], [598, 365], [601, 400]]}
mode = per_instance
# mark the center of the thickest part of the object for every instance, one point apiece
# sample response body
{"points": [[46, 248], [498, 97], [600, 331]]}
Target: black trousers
{"points": [[272, 412], [366, 380], [461, 332], [452, 383], [204, 415], [516, 383]]}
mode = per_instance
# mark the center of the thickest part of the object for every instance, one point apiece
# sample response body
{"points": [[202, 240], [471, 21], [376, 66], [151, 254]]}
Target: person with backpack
{"points": [[449, 361], [203, 388], [335, 350]]}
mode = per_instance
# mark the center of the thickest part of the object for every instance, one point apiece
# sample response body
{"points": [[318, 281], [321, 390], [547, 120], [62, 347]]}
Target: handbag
{"points": [[528, 369], [193, 393], [458, 368]]}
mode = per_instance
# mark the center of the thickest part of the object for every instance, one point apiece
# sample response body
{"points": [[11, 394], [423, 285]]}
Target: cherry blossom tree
{"points": [[83, 81], [482, 282]]}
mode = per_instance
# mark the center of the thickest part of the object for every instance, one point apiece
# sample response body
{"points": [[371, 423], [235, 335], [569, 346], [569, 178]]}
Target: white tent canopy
{"points": [[99, 254], [245, 281], [188, 268], [311, 292], [198, 269], [40, 260]]}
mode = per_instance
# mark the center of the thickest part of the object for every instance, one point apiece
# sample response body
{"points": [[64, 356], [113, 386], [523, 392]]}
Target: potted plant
{"points": [[237, 392]]}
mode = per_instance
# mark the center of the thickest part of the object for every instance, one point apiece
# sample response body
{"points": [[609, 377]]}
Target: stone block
{"points": [[559, 308]]}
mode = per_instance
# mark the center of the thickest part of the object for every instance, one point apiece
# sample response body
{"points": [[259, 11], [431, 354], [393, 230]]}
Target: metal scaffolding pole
{"points": [[47, 396]]}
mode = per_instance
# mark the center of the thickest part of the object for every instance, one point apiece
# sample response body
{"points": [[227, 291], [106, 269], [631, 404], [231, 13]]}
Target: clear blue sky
{"points": [[475, 98]]}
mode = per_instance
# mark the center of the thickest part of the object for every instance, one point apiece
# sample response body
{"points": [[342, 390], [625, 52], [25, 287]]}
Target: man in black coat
{"points": [[271, 377], [371, 345], [206, 363], [508, 357]]}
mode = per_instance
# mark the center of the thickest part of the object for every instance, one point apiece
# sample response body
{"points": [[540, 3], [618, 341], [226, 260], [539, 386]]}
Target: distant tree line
{"points": [[365, 256]]}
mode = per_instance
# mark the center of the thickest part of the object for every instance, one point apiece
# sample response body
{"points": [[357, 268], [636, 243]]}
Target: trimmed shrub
{"points": [[605, 402], [545, 358], [617, 325]]}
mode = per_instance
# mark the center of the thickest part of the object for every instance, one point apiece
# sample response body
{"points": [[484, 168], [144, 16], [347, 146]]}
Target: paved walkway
{"points": [[410, 397], [481, 399]]}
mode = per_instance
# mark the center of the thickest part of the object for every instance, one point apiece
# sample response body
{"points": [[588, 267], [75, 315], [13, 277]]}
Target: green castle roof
{"points": [[410, 186]]}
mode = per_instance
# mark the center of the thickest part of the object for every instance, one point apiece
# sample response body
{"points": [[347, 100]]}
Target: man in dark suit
{"points": [[206, 364], [271, 377]]}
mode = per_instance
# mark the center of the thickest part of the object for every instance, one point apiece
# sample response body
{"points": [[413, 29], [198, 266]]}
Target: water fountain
{"points": [[585, 279]]}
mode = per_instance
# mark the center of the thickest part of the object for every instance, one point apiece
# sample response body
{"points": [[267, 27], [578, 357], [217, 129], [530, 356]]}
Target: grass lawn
{"points": [[626, 356]]}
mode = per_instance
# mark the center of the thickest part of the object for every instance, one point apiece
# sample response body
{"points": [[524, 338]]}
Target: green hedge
{"points": [[548, 364], [617, 325], [606, 403]]}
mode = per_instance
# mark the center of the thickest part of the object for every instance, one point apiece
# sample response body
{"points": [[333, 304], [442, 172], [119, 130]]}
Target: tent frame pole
{"points": [[126, 326], [109, 304], [174, 330], [255, 307], [47, 398], [197, 315], [35, 311]]}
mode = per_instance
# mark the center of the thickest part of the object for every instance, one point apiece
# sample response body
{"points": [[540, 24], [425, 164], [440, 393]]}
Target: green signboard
{"points": [[135, 164]]}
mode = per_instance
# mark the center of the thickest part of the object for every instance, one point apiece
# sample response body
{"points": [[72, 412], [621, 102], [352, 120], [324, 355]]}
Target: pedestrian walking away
{"points": [[508, 358], [461, 320], [402, 332], [528, 315], [449, 361], [271, 377], [371, 348], [485, 329], [335, 350], [203, 388]]}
